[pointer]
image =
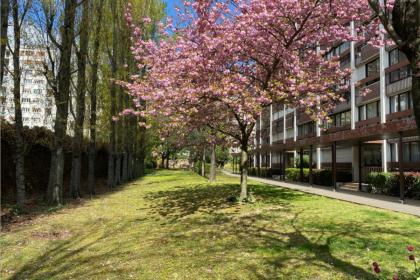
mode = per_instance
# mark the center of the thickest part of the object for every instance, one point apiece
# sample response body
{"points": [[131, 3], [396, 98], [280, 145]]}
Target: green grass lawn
{"points": [[175, 225]]}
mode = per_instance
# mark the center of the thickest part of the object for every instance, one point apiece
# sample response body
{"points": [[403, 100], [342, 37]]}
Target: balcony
{"points": [[333, 129], [374, 93], [368, 122], [400, 115], [399, 86], [365, 53]]}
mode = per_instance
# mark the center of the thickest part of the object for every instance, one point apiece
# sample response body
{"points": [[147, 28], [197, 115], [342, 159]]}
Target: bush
{"points": [[293, 174], [344, 176], [389, 183], [323, 177], [382, 182]]}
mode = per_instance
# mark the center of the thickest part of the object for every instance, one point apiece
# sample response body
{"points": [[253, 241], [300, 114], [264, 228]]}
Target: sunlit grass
{"points": [[175, 225]]}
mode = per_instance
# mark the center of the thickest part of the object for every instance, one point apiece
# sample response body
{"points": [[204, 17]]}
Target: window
{"points": [[372, 68], [306, 129], [396, 56], [368, 111], [37, 91], [26, 100], [399, 74], [25, 110], [345, 62], [342, 119], [28, 81], [400, 102], [362, 113], [36, 110], [372, 110]]}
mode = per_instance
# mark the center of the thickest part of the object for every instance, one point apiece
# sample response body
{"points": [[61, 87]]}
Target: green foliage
{"points": [[305, 161], [382, 182], [389, 183], [293, 174]]}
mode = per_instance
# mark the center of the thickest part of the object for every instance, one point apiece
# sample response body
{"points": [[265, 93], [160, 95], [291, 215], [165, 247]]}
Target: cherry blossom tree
{"points": [[230, 59]]}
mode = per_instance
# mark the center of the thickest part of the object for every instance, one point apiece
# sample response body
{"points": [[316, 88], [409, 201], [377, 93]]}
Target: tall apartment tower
{"points": [[36, 99], [371, 132]]}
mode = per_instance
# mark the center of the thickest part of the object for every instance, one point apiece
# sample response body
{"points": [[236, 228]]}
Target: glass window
{"points": [[393, 104], [372, 68], [362, 113], [406, 152], [372, 110], [393, 57], [404, 102], [415, 151]]}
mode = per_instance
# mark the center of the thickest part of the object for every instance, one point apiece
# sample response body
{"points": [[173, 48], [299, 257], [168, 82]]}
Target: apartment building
{"points": [[37, 101], [371, 132]]}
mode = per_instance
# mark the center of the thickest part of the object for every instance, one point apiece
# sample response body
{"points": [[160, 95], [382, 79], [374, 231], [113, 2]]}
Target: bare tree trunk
{"points": [[75, 179], [3, 37], [112, 174], [167, 160], [111, 169], [244, 171], [203, 163], [124, 166], [54, 193], [94, 82], [20, 164], [213, 163], [118, 158], [415, 89]]}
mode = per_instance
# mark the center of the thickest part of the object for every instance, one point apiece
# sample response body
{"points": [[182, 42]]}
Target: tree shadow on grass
{"points": [[185, 200]]}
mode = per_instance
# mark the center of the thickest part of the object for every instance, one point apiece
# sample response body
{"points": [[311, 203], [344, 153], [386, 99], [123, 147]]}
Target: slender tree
{"points": [[61, 89], [19, 11], [81, 53], [93, 94]]}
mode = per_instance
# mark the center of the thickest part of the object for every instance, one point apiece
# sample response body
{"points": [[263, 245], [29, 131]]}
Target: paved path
{"points": [[410, 206]]}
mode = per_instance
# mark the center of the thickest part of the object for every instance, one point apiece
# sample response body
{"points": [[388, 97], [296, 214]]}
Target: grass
{"points": [[175, 225]]}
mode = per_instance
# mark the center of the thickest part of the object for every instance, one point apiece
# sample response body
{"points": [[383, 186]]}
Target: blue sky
{"points": [[170, 6]]}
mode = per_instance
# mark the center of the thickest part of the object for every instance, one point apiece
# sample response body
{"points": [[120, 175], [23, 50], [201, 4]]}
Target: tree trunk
{"points": [[244, 172], [54, 193], [125, 167], [167, 161], [203, 163], [415, 90], [3, 37], [118, 169], [75, 179], [213, 163], [113, 61], [111, 170], [20, 176]]}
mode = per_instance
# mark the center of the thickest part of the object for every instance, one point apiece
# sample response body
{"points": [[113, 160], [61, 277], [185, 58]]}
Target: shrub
{"points": [[323, 177], [389, 183], [344, 176], [293, 174], [382, 182]]}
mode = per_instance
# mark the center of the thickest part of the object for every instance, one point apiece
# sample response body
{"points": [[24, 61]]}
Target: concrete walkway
{"points": [[410, 206]]}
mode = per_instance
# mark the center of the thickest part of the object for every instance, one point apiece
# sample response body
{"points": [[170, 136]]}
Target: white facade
{"points": [[37, 101]]}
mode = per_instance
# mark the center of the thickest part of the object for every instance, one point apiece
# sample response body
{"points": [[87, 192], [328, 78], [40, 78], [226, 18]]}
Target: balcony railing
{"points": [[399, 86]]}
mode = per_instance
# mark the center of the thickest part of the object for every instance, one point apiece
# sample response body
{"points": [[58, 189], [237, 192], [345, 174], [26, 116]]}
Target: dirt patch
{"points": [[51, 235]]}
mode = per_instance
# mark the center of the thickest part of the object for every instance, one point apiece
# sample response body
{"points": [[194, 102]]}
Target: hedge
{"points": [[389, 183]]}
